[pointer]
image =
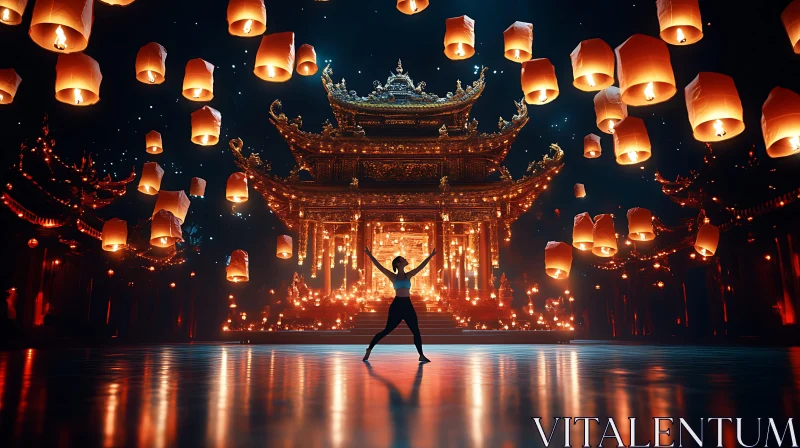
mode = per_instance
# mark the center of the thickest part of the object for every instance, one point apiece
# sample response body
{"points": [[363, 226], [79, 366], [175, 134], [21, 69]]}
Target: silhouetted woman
{"points": [[401, 307]]}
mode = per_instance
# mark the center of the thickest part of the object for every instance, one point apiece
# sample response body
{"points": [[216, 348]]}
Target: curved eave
{"points": [[365, 107]]}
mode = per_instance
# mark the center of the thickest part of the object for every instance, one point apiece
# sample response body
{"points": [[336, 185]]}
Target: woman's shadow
{"points": [[400, 408]]}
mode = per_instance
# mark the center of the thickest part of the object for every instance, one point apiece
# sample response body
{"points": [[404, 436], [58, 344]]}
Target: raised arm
{"points": [[422, 265], [378, 265]]}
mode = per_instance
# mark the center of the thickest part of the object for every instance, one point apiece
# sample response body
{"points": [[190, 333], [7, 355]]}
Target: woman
{"points": [[401, 307]]}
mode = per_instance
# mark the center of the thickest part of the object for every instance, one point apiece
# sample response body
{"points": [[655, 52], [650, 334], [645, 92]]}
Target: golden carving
{"points": [[378, 170]]}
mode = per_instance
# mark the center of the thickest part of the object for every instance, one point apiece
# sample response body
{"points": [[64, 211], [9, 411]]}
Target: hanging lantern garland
{"points": [[780, 123], [11, 11], [680, 21], [247, 18], [715, 110], [62, 26], [592, 65], [275, 57], [9, 84], [539, 83], [645, 71], [459, 38], [151, 64], [518, 40]]}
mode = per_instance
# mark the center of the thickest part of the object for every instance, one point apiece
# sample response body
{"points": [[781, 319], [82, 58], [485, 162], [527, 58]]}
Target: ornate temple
{"points": [[402, 171]]}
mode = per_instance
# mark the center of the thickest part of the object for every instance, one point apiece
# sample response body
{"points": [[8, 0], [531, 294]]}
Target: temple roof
{"points": [[401, 103]]}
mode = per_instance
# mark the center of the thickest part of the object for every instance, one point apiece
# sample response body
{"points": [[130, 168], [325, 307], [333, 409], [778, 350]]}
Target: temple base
{"points": [[347, 337]]}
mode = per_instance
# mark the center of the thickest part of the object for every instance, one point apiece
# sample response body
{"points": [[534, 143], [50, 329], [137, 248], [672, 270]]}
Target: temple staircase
{"points": [[430, 322]]}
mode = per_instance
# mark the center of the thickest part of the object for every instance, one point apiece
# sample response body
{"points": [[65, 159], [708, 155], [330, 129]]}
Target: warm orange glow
{"points": [[238, 270], [247, 18], [175, 202], [206, 125], [62, 26], [645, 71], [591, 146], [153, 143], [411, 6], [306, 60], [12, 11], [150, 182], [680, 21], [539, 83], [9, 83], [459, 38], [582, 232], [780, 123], [579, 190], [275, 57], [604, 237], [284, 249], [518, 39], [609, 109], [115, 235], [78, 79], [707, 240], [110, 272], [198, 80], [640, 224], [197, 187], [592, 65], [791, 21], [151, 63], [33, 243], [715, 110], [557, 260], [165, 230], [631, 142], [236, 188]]}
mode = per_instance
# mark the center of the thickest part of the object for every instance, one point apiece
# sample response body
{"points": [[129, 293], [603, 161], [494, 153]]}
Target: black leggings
{"points": [[400, 309]]}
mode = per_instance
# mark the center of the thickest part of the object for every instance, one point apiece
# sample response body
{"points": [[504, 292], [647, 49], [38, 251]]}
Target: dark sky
{"points": [[364, 39]]}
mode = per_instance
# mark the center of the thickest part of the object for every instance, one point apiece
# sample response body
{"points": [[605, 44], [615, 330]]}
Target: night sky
{"points": [[363, 40]]}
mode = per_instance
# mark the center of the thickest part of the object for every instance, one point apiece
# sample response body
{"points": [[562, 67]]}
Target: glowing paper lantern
{"points": [[175, 202], [680, 21], [115, 235], [645, 71], [118, 2], [580, 191], [165, 230], [591, 146], [582, 232], [609, 109], [707, 240], [284, 247], [153, 143], [62, 26], [198, 82], [539, 81], [78, 79], [238, 270], [603, 236], [715, 110], [557, 259], [197, 187], [791, 21], [518, 40], [236, 188], [592, 65], [780, 123], [306, 60], [631, 142], [459, 38], [411, 6], [275, 57], [9, 83], [640, 225], [150, 182], [206, 124], [11, 11], [247, 18], [151, 64]]}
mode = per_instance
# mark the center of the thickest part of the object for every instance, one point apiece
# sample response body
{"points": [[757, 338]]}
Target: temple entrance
{"points": [[413, 241]]}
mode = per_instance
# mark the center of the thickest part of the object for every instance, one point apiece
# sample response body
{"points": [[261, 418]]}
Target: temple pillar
{"points": [[462, 273], [359, 252], [485, 260], [438, 260], [326, 269]]}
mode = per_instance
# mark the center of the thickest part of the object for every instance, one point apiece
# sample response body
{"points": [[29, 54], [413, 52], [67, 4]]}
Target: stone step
{"points": [[403, 331]]}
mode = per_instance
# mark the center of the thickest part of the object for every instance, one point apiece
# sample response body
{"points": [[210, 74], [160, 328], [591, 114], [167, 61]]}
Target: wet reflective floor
{"points": [[324, 395]]}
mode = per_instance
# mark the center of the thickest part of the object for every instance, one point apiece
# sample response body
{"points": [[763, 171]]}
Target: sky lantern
{"points": [[557, 259], [715, 110], [582, 232], [11, 11], [592, 65], [247, 18], [459, 38], [118, 2], [206, 124], [151, 64], [198, 82], [609, 109], [411, 6], [680, 21], [197, 187], [153, 143], [791, 21], [640, 224], [150, 182], [707, 240], [645, 71], [236, 188], [9, 83], [115, 235], [603, 236], [165, 230], [591, 146], [284, 249], [275, 57], [539, 83], [519, 41], [306, 60], [631, 142], [78, 79], [780, 123], [62, 26], [175, 202], [579, 190], [238, 269]]}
